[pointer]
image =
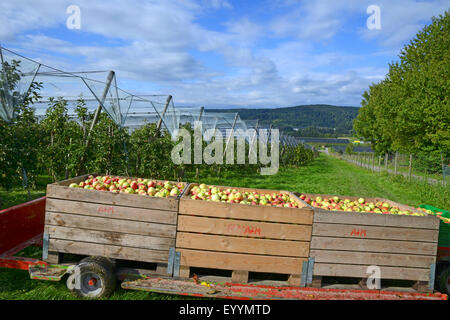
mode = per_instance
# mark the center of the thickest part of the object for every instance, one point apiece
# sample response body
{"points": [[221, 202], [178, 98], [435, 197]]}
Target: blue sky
{"points": [[222, 53]]}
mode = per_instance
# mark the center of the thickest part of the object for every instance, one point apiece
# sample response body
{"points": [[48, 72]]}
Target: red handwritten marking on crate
{"points": [[359, 233], [105, 209], [243, 229]]}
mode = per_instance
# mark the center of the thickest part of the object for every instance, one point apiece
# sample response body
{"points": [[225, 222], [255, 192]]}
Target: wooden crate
{"points": [[115, 225], [243, 238], [344, 244]]}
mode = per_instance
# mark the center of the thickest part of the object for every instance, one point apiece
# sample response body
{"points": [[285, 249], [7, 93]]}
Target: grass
{"points": [[17, 195], [326, 175]]}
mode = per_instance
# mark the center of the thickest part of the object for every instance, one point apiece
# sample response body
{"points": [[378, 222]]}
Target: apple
{"points": [[151, 191], [134, 185], [74, 185], [129, 190]]}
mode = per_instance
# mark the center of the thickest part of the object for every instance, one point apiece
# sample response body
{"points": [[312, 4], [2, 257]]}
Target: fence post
{"points": [[395, 163], [373, 162], [410, 167], [386, 158], [379, 164]]}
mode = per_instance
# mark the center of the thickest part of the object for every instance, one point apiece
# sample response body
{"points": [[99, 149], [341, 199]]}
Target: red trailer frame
{"points": [[23, 225], [20, 227]]}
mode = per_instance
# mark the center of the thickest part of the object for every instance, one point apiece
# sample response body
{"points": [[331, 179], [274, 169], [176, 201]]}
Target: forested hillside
{"points": [[310, 120]]}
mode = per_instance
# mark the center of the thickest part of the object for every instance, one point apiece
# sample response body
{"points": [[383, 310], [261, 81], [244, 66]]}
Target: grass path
{"points": [[326, 175]]}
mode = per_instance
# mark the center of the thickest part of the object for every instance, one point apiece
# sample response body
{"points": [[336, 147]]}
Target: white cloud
{"points": [[150, 45]]}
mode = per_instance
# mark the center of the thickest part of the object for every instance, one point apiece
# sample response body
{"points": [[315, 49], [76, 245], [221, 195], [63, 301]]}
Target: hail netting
{"points": [[99, 88], [16, 76]]}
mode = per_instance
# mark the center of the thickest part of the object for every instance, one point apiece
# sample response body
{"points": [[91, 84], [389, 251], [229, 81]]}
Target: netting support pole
{"points": [[99, 108], [158, 126], [254, 137], [95, 119], [231, 133], [201, 113]]}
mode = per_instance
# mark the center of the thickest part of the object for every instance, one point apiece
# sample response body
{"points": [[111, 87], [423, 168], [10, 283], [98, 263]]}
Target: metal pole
{"points": [[201, 113], [158, 126], [99, 108], [254, 137], [96, 116], [231, 133]]}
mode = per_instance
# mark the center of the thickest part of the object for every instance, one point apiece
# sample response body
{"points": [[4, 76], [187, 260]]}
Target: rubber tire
{"points": [[444, 274], [105, 262], [103, 269]]}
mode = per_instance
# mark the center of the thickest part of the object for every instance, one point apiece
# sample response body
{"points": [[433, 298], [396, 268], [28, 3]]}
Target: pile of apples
{"points": [[360, 205], [144, 187], [437, 214], [216, 194]]}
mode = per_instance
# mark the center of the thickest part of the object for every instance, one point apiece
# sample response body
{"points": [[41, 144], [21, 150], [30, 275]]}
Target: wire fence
{"points": [[432, 168]]}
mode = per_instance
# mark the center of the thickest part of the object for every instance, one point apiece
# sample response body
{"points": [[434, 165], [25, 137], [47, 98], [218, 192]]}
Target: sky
{"points": [[222, 53]]}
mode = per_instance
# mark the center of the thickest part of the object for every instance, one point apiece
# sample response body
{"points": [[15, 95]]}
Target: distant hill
{"points": [[306, 120]]}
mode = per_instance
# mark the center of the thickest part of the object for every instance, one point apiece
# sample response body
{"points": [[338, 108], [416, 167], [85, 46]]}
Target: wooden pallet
{"points": [[345, 244], [243, 238], [114, 225]]}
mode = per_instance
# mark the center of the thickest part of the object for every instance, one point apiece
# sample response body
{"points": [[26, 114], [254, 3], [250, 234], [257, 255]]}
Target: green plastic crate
{"points": [[444, 228]]}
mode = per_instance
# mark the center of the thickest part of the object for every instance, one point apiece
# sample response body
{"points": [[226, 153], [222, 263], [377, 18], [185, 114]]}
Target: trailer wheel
{"points": [[93, 277], [444, 279]]}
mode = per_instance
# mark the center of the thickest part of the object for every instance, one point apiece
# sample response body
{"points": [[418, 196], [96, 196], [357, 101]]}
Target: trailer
{"points": [[97, 276]]}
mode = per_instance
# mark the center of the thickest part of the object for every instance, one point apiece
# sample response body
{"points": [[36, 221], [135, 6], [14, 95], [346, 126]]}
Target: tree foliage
{"points": [[409, 111]]}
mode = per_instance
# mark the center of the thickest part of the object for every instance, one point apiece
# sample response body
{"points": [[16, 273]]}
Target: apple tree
{"points": [[150, 152], [108, 150], [19, 138], [61, 137]]}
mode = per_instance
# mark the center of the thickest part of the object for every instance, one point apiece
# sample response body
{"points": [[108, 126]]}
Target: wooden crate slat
{"points": [[245, 212], [370, 258], [105, 224], [242, 245], [115, 252], [349, 270], [244, 228], [111, 238], [237, 261], [388, 220], [111, 211], [110, 198], [374, 232], [370, 245]]}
